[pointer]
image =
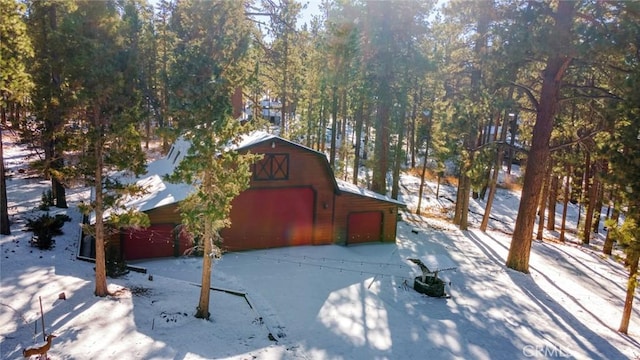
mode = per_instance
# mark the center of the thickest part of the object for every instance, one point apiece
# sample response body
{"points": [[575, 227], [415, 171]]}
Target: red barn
{"points": [[293, 199]]}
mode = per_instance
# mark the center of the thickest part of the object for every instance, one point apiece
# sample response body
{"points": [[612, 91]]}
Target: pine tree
{"points": [[463, 73], [15, 82], [98, 68], [555, 68], [388, 30], [628, 236], [283, 15], [16, 51], [164, 46], [52, 98], [212, 40], [341, 49], [622, 149], [5, 226]]}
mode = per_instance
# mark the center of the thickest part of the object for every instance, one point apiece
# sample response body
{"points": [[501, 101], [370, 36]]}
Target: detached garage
{"points": [[293, 199]]}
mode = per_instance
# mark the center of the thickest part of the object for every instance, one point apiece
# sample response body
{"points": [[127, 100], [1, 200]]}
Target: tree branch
{"points": [[576, 141], [604, 93], [529, 94], [502, 144]]}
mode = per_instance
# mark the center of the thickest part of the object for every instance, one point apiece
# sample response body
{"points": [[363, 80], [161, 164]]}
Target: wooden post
{"points": [[44, 336]]}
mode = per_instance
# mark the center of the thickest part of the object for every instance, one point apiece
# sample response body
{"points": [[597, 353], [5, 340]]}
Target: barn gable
{"points": [[289, 201], [302, 203]]}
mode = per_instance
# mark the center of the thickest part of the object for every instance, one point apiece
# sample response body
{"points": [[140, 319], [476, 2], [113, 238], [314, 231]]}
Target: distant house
{"points": [[266, 108], [271, 110], [293, 199]]}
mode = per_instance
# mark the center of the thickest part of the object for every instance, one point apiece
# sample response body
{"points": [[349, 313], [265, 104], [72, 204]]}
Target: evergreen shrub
{"points": [[45, 227]]}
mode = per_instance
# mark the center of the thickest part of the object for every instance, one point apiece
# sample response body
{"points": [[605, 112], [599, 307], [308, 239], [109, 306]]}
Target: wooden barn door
{"points": [[267, 218], [364, 227]]}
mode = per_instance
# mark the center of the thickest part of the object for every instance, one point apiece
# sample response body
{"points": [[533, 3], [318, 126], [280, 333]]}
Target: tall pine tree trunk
{"points": [[359, 121], [101, 269], [464, 203], [309, 128], [607, 248], [565, 203], [399, 158], [322, 130], [381, 149], [553, 200], [285, 84], [202, 311], [557, 64], [599, 193], [424, 163], [54, 122], [344, 147], [57, 188], [461, 215], [493, 182], [412, 134], [334, 126], [631, 290], [5, 228], [588, 190], [543, 204]]}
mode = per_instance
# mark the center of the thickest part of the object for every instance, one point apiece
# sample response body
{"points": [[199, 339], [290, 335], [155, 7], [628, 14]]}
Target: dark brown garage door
{"points": [[364, 227], [266, 218]]}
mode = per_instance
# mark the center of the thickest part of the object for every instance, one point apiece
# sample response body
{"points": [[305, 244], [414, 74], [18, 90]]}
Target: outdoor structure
{"points": [[293, 199]]}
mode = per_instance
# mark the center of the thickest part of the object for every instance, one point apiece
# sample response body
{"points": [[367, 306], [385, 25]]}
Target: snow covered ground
{"points": [[323, 302]]}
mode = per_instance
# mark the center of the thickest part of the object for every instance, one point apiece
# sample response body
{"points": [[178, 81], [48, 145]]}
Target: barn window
{"points": [[272, 167]]}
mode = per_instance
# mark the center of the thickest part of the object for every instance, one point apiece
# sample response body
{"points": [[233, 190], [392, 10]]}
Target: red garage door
{"points": [[266, 218], [154, 241], [364, 227]]}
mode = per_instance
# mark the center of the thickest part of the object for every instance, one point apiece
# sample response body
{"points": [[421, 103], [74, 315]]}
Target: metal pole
{"points": [[44, 336]]}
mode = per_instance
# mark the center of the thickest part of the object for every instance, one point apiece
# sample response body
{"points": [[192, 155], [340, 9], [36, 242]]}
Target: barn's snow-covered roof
{"points": [[348, 187], [259, 137], [160, 192]]}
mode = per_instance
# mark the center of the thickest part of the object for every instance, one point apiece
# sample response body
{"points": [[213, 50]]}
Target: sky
{"points": [[313, 8]]}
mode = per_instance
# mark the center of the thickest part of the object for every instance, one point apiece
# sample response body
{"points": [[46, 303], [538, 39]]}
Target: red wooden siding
{"points": [[265, 218], [305, 168], [158, 240], [292, 199], [348, 204], [364, 227]]}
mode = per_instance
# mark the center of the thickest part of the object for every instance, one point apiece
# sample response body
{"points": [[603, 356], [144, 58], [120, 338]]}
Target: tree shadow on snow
{"points": [[578, 337]]}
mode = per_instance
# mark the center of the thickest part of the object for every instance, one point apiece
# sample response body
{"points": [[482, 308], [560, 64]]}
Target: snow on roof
{"points": [[258, 137], [160, 192], [354, 189], [255, 137]]}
